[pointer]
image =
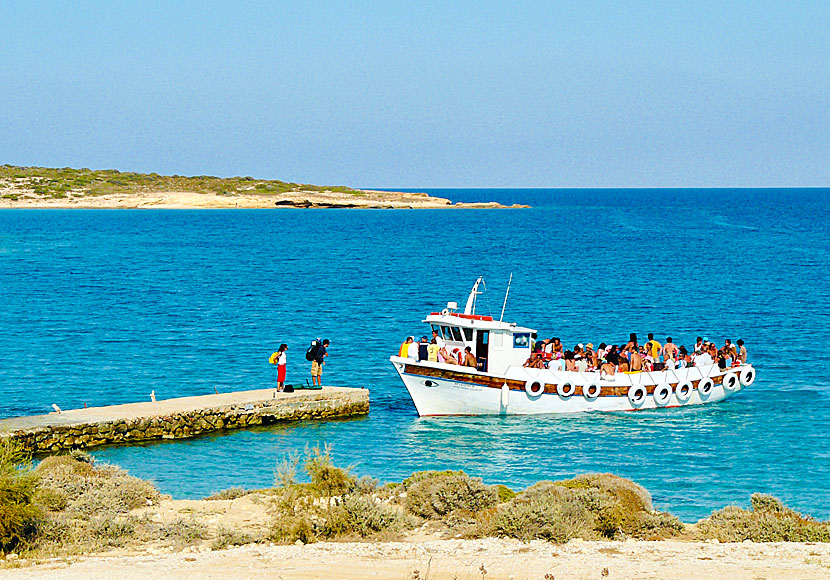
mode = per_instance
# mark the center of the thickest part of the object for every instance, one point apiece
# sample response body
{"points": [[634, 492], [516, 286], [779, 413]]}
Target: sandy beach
{"points": [[423, 553], [491, 559]]}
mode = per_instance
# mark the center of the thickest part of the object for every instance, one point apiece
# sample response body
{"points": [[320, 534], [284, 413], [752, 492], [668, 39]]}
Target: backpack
{"points": [[274, 358], [311, 353]]}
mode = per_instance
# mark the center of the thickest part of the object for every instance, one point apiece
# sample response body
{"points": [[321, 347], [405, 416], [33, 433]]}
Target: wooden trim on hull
{"points": [[514, 385]]}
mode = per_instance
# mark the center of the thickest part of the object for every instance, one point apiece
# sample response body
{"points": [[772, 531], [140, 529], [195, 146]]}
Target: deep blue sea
{"points": [[102, 307]]}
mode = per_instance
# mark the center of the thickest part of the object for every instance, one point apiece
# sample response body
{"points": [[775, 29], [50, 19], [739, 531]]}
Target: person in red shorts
{"points": [[280, 358]]}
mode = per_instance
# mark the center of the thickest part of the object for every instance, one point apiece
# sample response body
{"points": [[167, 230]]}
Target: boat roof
{"points": [[474, 321]]}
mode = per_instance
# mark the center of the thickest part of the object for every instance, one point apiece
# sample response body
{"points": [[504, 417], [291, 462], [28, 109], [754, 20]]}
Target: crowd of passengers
{"points": [[436, 350], [632, 357]]}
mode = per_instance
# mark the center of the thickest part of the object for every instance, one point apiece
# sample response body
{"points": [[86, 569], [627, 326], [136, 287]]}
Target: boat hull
{"points": [[440, 389]]}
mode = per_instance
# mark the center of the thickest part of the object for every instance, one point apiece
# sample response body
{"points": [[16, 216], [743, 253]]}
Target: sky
{"points": [[423, 94]]}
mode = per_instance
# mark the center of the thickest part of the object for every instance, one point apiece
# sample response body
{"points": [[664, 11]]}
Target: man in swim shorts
{"points": [[318, 362]]}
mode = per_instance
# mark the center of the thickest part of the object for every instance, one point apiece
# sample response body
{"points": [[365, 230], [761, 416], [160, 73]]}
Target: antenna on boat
{"points": [[471, 299], [506, 294]]}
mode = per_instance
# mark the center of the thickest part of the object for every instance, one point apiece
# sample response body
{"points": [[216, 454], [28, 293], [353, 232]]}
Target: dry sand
{"points": [[422, 555], [488, 559]]}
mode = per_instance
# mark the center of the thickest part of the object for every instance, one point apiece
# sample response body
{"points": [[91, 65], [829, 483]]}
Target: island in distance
{"points": [[43, 187]]}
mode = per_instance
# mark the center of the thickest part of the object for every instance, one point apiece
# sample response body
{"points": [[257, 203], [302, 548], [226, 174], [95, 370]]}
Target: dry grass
{"points": [[589, 507], [768, 520]]}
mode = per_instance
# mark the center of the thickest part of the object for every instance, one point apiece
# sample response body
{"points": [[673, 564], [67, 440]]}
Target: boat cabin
{"points": [[495, 344]]}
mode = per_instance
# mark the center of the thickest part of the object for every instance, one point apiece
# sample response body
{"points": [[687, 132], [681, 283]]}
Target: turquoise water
{"points": [[102, 307]]}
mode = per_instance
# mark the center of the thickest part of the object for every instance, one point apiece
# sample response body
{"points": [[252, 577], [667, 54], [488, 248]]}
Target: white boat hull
{"points": [[440, 389]]}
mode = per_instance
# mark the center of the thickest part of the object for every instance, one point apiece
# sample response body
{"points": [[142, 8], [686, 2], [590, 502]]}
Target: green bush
{"points": [[768, 520], [436, 494], [361, 515], [18, 489], [588, 507], [183, 532], [231, 493], [88, 490], [326, 478]]}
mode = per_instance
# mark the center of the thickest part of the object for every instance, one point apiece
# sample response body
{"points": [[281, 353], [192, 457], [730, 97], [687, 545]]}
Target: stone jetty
{"points": [[179, 418]]}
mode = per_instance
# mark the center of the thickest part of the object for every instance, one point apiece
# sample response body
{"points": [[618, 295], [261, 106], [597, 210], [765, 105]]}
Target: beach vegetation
{"points": [[767, 520], [226, 537], [438, 494], [18, 488], [334, 504], [597, 506], [230, 493], [58, 183]]}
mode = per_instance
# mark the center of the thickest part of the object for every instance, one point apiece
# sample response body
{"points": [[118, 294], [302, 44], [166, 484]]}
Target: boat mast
{"points": [[506, 294], [471, 299]]}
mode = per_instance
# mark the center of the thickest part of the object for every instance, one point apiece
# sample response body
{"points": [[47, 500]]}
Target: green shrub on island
{"points": [[61, 183], [767, 520]]}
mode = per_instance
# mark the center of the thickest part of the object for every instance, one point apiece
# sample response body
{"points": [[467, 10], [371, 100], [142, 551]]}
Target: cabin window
{"points": [[521, 340], [468, 334], [447, 333], [456, 334]]}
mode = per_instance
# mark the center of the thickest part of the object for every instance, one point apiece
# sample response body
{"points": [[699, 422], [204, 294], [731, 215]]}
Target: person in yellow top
{"points": [[404, 350], [655, 347], [432, 351]]}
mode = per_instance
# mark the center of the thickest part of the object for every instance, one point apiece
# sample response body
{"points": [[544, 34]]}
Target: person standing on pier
{"points": [[280, 358], [317, 364]]}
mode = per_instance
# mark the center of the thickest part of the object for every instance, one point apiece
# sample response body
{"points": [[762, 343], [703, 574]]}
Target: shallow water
{"points": [[102, 307]]}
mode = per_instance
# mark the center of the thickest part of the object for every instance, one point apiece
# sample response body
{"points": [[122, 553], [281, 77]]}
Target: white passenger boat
{"points": [[500, 385]]}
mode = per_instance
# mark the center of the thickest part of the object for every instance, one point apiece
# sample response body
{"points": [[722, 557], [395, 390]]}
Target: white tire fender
{"points": [[683, 392], [565, 389], [636, 395], [591, 390], [705, 386], [662, 394], [731, 381], [747, 376], [534, 388]]}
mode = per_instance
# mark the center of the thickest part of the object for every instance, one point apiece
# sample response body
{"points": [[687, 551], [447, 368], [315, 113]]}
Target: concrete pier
{"points": [[179, 418]]}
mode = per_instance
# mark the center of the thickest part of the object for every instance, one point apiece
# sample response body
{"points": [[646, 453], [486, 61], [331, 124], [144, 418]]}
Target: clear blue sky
{"points": [[423, 94]]}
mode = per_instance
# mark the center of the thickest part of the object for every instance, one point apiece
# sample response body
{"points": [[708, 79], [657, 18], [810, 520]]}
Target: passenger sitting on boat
{"points": [[541, 345], [601, 351], [570, 363], [459, 356], [469, 359], [432, 351], [683, 358], [535, 361], [670, 363], [557, 347], [703, 359], [611, 360], [636, 361], [444, 356], [590, 355], [713, 352]]}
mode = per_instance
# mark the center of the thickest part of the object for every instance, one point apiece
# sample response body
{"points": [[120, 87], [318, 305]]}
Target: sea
{"points": [[102, 307]]}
